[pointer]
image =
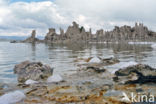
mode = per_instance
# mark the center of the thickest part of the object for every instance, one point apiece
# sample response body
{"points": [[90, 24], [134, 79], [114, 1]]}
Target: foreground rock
{"points": [[90, 85], [32, 70], [139, 73]]}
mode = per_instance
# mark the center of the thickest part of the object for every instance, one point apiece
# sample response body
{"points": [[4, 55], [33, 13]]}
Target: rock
{"points": [[55, 78], [73, 34], [12, 97], [32, 70], [32, 38], [29, 82], [110, 61], [77, 34], [125, 33], [139, 73], [13, 41], [51, 36], [96, 69], [95, 60]]}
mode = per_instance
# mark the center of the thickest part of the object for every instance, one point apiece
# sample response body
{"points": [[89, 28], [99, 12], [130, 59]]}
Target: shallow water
{"points": [[62, 57]]}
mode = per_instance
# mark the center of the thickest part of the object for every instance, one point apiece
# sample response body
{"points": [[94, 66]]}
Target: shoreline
{"points": [[90, 83]]}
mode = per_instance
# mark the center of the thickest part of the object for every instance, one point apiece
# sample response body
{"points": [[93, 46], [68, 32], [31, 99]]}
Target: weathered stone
{"points": [[77, 34], [139, 73], [93, 85], [110, 61], [32, 70], [73, 34], [51, 35], [96, 69], [32, 38]]}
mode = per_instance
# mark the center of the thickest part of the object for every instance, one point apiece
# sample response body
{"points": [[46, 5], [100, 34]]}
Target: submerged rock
{"points": [[110, 61], [96, 69], [113, 93], [32, 70], [12, 97], [139, 73]]}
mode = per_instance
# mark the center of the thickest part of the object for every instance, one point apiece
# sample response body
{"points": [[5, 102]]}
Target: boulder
{"points": [[32, 70], [139, 73]]}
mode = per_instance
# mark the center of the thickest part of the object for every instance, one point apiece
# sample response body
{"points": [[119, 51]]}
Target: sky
{"points": [[26, 0], [20, 17]]}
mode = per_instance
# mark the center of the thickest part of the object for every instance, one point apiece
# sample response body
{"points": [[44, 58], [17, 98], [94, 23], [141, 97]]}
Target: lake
{"points": [[61, 57]]}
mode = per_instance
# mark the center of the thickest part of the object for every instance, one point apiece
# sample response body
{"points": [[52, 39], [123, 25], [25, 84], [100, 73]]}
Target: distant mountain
{"points": [[17, 37]]}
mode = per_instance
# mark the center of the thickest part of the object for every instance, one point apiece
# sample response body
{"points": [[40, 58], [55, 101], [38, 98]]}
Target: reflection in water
{"points": [[61, 56], [33, 47]]}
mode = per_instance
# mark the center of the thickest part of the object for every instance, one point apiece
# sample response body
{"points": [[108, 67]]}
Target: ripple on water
{"points": [[62, 57]]}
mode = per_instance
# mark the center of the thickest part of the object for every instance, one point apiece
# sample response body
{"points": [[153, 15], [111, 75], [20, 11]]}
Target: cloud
{"points": [[106, 13], [22, 17], [19, 18]]}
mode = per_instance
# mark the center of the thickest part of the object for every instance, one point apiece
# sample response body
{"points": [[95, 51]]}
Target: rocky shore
{"points": [[77, 34], [91, 83]]}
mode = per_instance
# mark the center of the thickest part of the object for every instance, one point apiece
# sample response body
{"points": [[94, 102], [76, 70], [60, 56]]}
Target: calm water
{"points": [[62, 57]]}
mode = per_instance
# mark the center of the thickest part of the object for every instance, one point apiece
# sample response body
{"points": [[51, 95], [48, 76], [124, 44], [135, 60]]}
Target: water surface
{"points": [[62, 57]]}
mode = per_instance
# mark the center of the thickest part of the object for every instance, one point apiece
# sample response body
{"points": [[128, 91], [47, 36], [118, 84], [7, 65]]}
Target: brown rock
{"points": [[32, 70], [136, 74]]}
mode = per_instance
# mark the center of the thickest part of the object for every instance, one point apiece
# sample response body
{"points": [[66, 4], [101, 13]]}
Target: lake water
{"points": [[62, 57]]}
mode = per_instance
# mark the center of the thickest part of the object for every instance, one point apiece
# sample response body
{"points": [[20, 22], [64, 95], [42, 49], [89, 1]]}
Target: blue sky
{"points": [[20, 17]]}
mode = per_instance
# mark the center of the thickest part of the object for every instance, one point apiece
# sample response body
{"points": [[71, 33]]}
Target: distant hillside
{"points": [[17, 37]]}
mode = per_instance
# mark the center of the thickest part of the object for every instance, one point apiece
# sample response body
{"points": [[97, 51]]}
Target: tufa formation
{"points": [[78, 34]]}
